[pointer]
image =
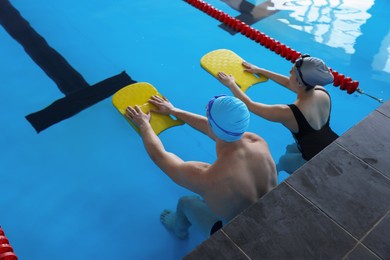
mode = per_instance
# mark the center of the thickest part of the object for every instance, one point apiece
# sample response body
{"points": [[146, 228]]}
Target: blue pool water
{"points": [[85, 188]]}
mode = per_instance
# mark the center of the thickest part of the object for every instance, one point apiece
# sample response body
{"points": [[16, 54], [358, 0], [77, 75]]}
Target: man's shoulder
{"points": [[253, 138], [250, 135]]}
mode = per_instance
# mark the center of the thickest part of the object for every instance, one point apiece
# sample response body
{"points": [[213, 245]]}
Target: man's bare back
{"points": [[239, 176]]}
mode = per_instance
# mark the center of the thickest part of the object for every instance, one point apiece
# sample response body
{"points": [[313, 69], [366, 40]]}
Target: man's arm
{"points": [[194, 120], [190, 175]]}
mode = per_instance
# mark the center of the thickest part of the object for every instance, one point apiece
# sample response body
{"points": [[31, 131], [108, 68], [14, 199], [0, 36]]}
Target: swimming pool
{"points": [[84, 188]]}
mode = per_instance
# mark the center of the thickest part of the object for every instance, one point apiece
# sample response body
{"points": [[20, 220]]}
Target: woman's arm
{"points": [[278, 78], [274, 113]]}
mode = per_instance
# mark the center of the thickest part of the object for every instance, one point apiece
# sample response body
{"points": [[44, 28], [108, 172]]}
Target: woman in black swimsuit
{"points": [[307, 118]]}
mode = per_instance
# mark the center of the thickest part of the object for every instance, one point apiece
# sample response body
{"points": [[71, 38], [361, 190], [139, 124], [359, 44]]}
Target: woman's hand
{"points": [[250, 67], [163, 105], [227, 80]]}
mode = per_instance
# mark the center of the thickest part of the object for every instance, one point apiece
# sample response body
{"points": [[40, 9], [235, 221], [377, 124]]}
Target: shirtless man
{"points": [[243, 171]]}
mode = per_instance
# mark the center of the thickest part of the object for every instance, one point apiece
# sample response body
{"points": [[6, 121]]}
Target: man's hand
{"points": [[137, 116], [163, 105], [227, 80]]}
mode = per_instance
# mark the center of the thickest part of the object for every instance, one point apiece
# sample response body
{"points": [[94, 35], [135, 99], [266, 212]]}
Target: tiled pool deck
{"points": [[337, 206]]}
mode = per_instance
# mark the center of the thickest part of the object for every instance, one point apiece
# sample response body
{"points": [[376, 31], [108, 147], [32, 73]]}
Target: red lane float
{"points": [[345, 83], [6, 250]]}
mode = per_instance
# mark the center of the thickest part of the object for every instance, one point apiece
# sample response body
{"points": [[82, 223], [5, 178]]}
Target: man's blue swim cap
{"points": [[228, 117]]}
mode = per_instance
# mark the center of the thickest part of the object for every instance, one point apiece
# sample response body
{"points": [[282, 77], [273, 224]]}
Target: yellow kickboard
{"points": [[227, 61], [138, 94]]}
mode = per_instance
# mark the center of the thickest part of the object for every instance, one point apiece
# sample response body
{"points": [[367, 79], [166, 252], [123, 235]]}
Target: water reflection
{"points": [[359, 28], [250, 13], [382, 59], [335, 23]]}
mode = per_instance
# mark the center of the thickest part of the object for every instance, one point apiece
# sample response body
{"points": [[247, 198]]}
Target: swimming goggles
{"points": [[298, 65], [208, 109]]}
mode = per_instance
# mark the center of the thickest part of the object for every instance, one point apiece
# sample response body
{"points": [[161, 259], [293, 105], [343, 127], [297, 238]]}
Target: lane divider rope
{"points": [[345, 83], [6, 250]]}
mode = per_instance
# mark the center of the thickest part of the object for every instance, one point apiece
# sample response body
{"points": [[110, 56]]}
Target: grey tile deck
{"points": [[349, 191], [337, 206], [264, 231], [370, 141], [361, 253], [378, 239], [220, 247], [385, 109]]}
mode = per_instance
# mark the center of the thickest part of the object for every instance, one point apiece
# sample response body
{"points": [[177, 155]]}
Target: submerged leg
{"points": [[291, 160], [191, 210], [171, 221]]}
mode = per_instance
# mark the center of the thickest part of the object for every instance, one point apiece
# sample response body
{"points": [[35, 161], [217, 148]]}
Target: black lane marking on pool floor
{"points": [[78, 93]]}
